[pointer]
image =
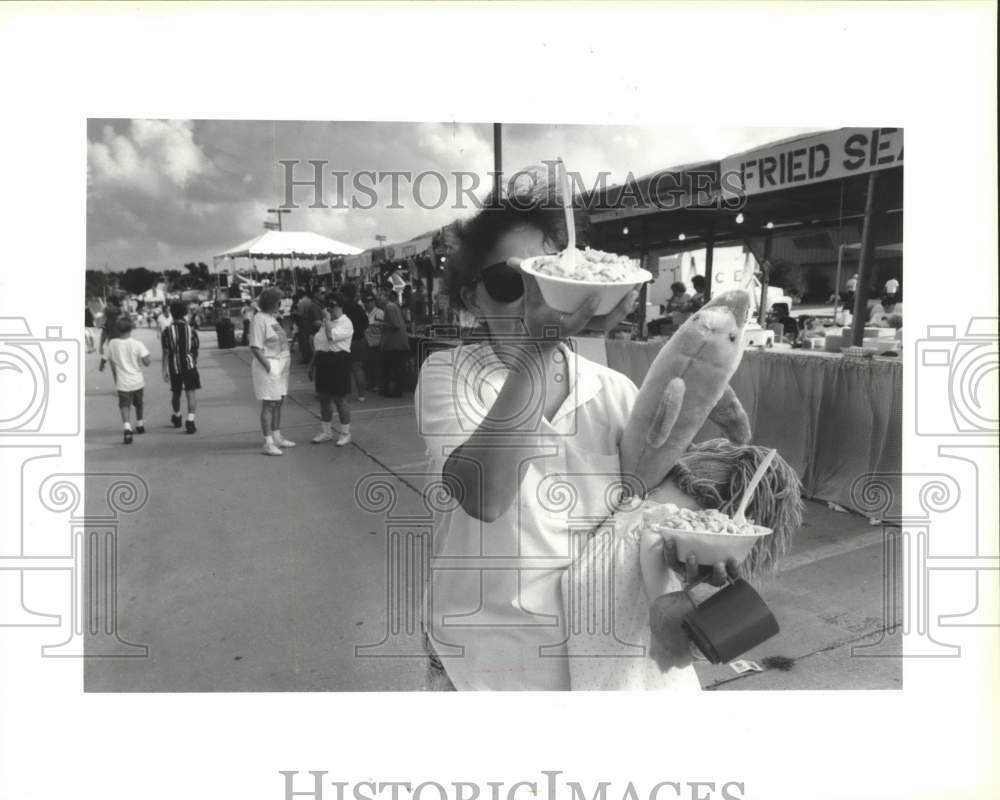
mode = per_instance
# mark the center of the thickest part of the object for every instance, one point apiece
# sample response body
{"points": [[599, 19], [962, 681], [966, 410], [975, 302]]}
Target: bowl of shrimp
{"points": [[707, 533], [567, 279]]}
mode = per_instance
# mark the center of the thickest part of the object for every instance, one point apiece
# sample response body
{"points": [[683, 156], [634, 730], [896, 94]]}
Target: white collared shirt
{"points": [[339, 340], [501, 615]]}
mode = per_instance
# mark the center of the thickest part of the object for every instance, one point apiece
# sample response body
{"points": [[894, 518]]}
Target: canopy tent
{"points": [[279, 245], [290, 244]]}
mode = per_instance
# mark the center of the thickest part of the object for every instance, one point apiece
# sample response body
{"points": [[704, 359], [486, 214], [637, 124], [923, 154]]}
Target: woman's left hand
{"points": [[691, 572]]}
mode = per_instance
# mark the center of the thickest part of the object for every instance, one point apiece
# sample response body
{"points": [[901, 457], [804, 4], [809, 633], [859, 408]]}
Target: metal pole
{"points": [[836, 286], [497, 159], [864, 267], [641, 315], [765, 274], [709, 255]]}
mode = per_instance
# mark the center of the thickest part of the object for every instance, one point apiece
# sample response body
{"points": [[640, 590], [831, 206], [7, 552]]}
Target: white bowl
{"points": [[711, 548], [567, 295]]}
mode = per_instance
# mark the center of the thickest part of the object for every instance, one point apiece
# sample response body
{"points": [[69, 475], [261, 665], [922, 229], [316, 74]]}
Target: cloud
{"points": [[153, 153], [164, 192]]}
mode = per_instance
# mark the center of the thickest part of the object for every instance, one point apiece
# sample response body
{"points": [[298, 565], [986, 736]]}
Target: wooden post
{"points": [[864, 267], [765, 275], [709, 255]]}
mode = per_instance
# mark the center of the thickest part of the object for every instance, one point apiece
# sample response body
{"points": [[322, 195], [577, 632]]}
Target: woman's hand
{"points": [[539, 318], [719, 574], [311, 374]]}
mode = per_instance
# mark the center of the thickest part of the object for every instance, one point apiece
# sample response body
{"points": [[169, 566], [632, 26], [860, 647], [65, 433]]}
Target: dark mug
{"points": [[732, 621]]}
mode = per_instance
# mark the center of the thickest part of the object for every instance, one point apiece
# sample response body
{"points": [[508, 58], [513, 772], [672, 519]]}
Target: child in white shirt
{"points": [[127, 357]]}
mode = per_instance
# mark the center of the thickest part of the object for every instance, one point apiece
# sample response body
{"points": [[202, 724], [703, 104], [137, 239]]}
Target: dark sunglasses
{"points": [[502, 282]]}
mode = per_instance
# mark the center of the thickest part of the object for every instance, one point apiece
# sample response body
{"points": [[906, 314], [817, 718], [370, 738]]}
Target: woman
{"points": [[269, 370], [359, 343], [517, 402], [676, 307], [331, 369]]}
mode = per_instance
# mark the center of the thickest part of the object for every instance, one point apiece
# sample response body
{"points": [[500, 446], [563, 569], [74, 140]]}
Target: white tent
{"points": [[279, 245], [290, 244]]}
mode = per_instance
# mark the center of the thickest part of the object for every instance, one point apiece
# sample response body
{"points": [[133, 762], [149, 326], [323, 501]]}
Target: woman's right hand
{"points": [[267, 365]]}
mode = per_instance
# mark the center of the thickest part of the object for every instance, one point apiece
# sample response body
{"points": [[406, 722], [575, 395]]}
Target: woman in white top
{"points": [[331, 368], [503, 418], [269, 345]]}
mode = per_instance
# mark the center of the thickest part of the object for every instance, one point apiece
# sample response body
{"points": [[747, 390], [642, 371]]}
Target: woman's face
{"points": [[505, 318]]}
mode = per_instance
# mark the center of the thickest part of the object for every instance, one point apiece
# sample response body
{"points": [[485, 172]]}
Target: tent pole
{"points": [[864, 267]]}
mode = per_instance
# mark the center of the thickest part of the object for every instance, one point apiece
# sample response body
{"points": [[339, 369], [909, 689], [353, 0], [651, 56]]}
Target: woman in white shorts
{"points": [[269, 345]]}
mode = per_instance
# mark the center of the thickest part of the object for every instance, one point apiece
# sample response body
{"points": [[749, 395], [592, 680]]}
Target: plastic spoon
{"points": [[739, 517], [569, 254]]}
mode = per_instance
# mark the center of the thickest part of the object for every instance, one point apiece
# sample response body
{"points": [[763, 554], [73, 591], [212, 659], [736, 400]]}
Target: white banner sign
{"points": [[811, 159]]}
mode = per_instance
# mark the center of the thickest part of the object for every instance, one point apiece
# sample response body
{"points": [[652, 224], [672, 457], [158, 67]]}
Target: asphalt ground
{"points": [[248, 573]]}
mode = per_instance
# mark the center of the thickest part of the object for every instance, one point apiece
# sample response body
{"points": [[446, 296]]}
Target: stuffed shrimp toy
{"points": [[623, 568]]}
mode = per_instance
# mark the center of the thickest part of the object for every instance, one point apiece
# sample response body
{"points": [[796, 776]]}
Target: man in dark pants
{"points": [[395, 344]]}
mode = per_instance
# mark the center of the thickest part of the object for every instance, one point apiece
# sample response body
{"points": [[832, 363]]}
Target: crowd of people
{"points": [[349, 343]]}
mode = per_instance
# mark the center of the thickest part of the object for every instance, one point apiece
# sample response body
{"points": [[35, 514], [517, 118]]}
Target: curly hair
{"points": [[715, 474], [478, 235]]}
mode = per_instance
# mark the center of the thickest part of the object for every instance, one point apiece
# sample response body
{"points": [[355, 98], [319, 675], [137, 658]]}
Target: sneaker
{"points": [[189, 426], [323, 436], [128, 437], [175, 420], [140, 428], [270, 449], [344, 438], [283, 442]]}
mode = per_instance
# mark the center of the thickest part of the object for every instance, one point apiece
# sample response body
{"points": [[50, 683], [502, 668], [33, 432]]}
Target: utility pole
{"points": [[278, 212]]}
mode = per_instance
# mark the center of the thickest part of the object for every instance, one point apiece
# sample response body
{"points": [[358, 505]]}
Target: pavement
{"points": [[247, 573]]}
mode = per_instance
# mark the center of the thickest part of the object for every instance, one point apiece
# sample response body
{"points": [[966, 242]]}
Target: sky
{"points": [[161, 193]]}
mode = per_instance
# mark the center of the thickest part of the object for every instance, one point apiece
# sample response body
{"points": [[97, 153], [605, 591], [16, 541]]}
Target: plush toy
{"points": [[687, 384]]}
